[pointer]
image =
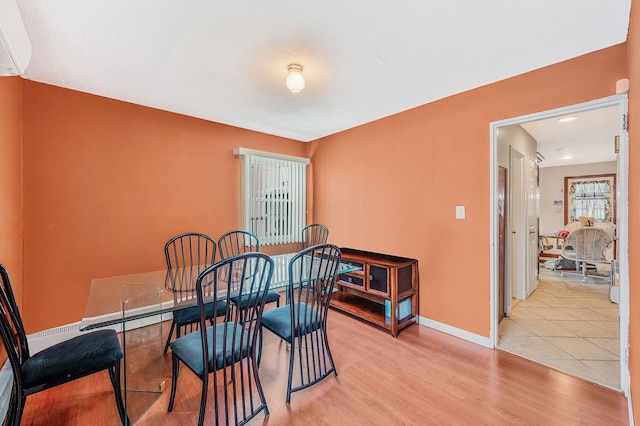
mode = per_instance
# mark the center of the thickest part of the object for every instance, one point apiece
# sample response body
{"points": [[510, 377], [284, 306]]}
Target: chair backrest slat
{"points": [[245, 275], [314, 234], [312, 277], [190, 249], [590, 243], [11, 329], [187, 255], [237, 242]]}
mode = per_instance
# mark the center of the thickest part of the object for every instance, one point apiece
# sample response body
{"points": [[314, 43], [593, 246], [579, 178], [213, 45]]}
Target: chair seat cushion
{"points": [[242, 302], [192, 314], [278, 320], [272, 296], [71, 359], [189, 348]]}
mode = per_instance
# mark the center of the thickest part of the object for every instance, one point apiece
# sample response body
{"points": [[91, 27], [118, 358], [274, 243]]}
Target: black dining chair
{"points": [[227, 350], [190, 253], [237, 242], [303, 322], [314, 234], [58, 364]]}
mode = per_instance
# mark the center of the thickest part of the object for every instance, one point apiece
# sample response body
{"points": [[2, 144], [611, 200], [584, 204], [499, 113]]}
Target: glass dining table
{"points": [[137, 305]]}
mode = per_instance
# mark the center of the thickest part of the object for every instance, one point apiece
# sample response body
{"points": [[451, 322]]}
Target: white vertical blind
{"points": [[274, 198]]}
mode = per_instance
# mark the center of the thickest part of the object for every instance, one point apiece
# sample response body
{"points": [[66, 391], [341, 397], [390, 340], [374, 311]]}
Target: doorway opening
{"points": [[518, 271]]}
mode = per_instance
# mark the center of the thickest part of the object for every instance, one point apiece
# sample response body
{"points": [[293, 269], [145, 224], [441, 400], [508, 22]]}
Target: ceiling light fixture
{"points": [[567, 119], [295, 80]]}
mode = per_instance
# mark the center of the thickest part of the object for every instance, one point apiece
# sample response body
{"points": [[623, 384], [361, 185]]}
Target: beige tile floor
{"points": [[569, 325]]}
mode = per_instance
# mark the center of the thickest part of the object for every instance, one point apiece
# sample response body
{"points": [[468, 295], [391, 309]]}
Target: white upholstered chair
{"points": [[587, 245]]}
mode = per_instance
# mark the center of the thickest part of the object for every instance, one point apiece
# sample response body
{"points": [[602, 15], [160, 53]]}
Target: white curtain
{"points": [[591, 199]]}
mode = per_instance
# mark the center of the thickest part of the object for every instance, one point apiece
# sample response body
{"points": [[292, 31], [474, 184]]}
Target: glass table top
{"points": [[109, 298]]}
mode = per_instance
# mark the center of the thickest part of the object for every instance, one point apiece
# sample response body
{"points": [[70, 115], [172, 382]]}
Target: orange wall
{"points": [[392, 185], [633, 48], [10, 180], [107, 183]]}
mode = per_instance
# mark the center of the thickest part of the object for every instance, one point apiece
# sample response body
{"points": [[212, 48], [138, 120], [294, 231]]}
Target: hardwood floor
{"points": [[423, 377]]}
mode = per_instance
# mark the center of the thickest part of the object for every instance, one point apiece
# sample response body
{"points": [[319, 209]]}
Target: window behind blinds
{"points": [[274, 198]]}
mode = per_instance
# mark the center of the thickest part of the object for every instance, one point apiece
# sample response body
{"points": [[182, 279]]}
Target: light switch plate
{"points": [[459, 212]]}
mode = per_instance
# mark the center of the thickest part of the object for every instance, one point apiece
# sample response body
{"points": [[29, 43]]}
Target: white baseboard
{"points": [[46, 338], [457, 332]]}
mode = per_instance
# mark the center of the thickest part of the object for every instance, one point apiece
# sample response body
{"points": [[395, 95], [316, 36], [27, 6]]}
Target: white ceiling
{"points": [[587, 139], [226, 61]]}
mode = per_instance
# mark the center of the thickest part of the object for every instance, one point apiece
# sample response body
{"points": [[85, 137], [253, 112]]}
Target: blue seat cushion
{"points": [[242, 302], [272, 296], [191, 314], [189, 348], [71, 359], [278, 320]]}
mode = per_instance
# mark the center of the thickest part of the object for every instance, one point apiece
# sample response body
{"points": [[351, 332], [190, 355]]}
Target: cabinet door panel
{"points": [[405, 279], [378, 279]]}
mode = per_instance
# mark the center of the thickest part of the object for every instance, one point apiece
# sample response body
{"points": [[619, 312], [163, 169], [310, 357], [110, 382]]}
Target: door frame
{"points": [[504, 308], [621, 101]]}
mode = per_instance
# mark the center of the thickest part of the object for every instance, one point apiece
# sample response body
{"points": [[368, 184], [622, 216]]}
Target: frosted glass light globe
{"points": [[295, 80]]}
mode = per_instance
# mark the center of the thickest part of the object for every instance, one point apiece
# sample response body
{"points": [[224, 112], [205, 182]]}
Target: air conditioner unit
{"points": [[15, 47]]}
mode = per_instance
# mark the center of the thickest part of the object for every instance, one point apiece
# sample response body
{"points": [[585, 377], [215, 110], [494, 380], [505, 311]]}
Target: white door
{"points": [[532, 201], [524, 225], [518, 224]]}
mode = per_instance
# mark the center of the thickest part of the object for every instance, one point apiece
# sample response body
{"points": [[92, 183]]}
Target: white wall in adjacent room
{"points": [[552, 190]]}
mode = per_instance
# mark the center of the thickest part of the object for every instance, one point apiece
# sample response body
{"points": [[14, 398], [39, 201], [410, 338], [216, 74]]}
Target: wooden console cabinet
{"points": [[384, 292]]}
